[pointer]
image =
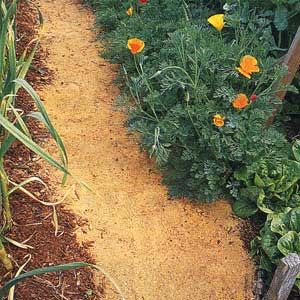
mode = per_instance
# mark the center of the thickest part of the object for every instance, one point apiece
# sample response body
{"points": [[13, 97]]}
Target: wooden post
{"points": [[292, 61], [284, 278]]}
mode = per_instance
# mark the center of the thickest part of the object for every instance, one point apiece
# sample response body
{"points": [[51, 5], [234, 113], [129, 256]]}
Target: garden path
{"points": [[155, 248]]}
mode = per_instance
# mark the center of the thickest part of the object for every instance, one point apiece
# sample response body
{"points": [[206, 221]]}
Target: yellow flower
{"points": [[129, 11], [135, 45], [219, 120], [217, 21], [248, 65], [240, 102]]}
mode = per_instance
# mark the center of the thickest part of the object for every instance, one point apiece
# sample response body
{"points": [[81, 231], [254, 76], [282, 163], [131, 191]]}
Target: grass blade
{"points": [[18, 134], [5, 288]]}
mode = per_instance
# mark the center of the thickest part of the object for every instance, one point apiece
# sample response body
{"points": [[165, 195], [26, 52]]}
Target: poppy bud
{"points": [[253, 98]]}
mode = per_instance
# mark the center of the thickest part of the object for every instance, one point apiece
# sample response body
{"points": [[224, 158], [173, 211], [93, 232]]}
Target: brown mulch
{"points": [[34, 221]]}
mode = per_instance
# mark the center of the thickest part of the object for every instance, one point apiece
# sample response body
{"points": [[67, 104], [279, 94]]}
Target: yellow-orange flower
{"points": [[240, 102], [217, 21], [219, 120], [248, 65], [135, 45], [129, 11]]}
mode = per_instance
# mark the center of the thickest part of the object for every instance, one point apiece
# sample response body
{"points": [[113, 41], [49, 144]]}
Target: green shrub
{"points": [[196, 80]]}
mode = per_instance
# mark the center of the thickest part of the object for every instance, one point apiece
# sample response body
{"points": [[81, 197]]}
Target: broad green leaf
{"points": [[280, 223], [294, 215], [3, 38], [258, 181], [296, 150], [290, 176], [297, 283], [289, 243], [244, 208], [261, 203], [26, 65], [294, 200], [242, 175], [265, 263], [269, 244]]}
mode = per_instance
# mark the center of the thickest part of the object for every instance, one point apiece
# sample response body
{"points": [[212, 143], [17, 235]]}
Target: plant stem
{"points": [[5, 198], [4, 259]]}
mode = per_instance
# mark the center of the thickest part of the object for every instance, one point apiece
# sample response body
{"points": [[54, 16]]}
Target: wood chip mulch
{"points": [[33, 221]]}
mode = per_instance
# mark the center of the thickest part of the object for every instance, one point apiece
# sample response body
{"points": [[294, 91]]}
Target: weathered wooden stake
{"points": [[284, 278], [292, 61]]}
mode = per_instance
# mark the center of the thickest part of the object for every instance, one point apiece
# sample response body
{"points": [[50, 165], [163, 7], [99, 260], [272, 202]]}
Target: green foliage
{"points": [[283, 14], [279, 237], [270, 185], [177, 99]]}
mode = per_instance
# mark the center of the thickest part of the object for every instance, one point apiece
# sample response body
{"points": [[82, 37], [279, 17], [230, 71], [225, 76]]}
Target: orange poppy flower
{"points": [[248, 65], [240, 102], [217, 21], [129, 11], [219, 120], [135, 45]]}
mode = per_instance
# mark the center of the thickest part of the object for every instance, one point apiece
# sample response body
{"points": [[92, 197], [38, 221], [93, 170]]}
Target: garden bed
{"points": [[32, 221]]}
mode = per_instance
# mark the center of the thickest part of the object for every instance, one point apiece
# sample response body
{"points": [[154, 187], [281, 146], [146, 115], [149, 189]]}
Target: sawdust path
{"points": [[155, 248]]}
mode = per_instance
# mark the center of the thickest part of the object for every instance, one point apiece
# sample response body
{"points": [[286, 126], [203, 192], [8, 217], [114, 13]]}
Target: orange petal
{"points": [[248, 60], [240, 101], [135, 45], [255, 69], [244, 73], [249, 64]]}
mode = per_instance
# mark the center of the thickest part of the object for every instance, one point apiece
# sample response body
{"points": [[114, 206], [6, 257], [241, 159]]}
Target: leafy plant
{"points": [[283, 14], [271, 186], [13, 71], [279, 237], [175, 116]]}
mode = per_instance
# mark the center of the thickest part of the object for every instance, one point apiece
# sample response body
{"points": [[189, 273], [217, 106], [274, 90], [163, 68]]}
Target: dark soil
{"points": [[249, 229], [291, 111], [34, 221]]}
